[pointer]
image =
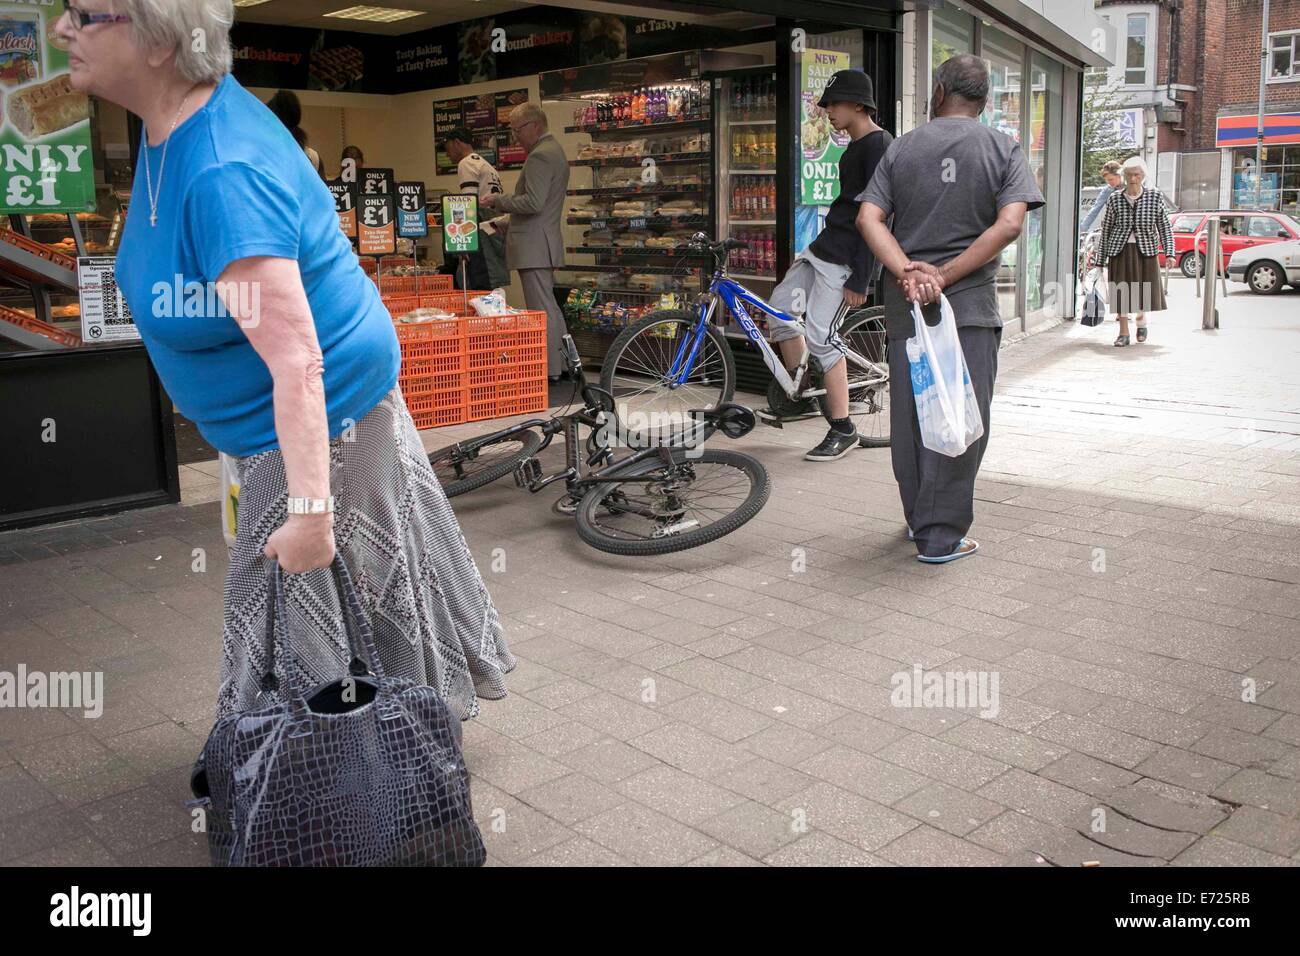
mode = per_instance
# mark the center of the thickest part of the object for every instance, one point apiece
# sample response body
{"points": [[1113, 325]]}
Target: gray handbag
{"points": [[360, 771]]}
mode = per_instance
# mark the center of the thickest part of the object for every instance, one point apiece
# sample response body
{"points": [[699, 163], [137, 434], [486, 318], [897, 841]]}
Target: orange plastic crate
{"points": [[435, 283], [400, 305], [32, 324], [440, 383], [518, 398], [396, 285], [452, 301], [437, 346], [523, 372], [38, 249], [481, 403], [446, 407]]}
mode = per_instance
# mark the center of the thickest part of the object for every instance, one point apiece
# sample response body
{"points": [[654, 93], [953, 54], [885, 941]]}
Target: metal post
{"points": [[1210, 272], [1263, 89]]}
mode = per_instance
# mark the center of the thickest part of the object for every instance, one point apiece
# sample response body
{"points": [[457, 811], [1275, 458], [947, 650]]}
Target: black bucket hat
{"points": [[849, 86]]}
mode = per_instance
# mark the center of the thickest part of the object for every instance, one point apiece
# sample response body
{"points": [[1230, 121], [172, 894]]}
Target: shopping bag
{"points": [[364, 770], [229, 498], [1094, 306], [946, 409]]}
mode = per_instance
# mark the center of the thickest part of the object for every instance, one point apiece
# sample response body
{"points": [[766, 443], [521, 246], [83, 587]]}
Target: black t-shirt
{"points": [[840, 242]]}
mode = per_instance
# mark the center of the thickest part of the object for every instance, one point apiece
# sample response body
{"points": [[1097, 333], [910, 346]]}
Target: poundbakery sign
{"points": [[45, 163]]}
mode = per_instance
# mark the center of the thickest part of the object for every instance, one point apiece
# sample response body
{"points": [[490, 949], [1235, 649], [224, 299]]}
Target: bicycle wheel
{"points": [[650, 410], [661, 508], [864, 333], [481, 461]]}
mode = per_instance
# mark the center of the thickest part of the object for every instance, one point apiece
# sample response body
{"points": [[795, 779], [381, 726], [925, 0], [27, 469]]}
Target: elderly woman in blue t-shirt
{"points": [[291, 367]]}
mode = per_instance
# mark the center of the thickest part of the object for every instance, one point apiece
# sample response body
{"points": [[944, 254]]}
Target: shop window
{"points": [[1046, 79], [952, 32], [1135, 50], [1005, 57], [1284, 60]]}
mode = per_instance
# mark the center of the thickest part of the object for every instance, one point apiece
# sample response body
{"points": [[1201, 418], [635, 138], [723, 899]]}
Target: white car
{"points": [[1267, 268]]}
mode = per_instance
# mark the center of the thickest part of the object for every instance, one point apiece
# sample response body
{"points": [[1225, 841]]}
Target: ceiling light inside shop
{"points": [[374, 14]]}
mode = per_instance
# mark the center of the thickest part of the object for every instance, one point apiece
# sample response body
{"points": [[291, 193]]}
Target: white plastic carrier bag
{"points": [[229, 498], [946, 409]]}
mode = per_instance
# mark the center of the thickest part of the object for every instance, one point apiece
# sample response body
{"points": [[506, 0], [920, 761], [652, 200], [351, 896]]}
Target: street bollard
{"points": [[1210, 272]]}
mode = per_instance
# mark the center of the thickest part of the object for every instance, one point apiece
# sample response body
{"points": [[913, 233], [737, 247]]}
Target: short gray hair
{"points": [[179, 25], [964, 75], [528, 111]]}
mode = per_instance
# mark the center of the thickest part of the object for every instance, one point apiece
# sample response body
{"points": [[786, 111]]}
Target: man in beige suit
{"points": [[534, 245]]}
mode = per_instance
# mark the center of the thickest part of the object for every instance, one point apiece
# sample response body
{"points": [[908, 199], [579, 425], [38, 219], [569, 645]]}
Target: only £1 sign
{"points": [[460, 224]]}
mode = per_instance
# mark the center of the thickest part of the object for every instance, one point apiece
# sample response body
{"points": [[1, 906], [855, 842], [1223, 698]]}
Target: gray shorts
{"points": [[817, 286]]}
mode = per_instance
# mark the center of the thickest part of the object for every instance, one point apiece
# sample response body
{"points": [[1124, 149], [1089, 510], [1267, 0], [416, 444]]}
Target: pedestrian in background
{"points": [[287, 108], [958, 192], [534, 242], [1114, 181], [1136, 232]]}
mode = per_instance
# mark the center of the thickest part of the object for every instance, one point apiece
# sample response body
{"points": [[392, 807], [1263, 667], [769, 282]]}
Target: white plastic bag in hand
{"points": [[946, 409]]}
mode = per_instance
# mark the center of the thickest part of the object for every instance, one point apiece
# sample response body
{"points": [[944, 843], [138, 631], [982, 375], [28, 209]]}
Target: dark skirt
{"points": [[1134, 282]]}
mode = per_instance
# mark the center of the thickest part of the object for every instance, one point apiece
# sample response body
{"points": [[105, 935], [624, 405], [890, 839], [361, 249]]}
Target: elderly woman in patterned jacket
{"points": [[1136, 232], [293, 372]]}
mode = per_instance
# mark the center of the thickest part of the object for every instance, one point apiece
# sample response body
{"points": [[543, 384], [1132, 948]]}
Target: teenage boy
{"points": [[835, 272]]}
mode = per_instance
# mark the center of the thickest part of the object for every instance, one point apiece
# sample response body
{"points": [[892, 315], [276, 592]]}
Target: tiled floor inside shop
{"points": [[1139, 512]]}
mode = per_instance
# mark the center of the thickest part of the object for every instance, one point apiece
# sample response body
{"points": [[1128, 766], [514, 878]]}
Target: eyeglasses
{"points": [[516, 129], [81, 18]]}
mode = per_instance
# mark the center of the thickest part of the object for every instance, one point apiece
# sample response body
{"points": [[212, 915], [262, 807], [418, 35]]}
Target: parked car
{"points": [[1267, 268], [1239, 228]]}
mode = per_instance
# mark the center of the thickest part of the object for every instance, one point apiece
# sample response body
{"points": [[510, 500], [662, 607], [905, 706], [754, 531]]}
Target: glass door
{"points": [[745, 111], [1042, 226]]}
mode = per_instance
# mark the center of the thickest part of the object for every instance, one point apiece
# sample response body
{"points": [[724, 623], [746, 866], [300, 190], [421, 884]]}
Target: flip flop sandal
{"points": [[966, 547], [1142, 333], [1121, 341]]}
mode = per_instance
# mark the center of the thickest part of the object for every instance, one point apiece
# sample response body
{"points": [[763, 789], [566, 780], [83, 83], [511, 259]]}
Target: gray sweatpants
{"points": [[539, 295], [938, 492]]}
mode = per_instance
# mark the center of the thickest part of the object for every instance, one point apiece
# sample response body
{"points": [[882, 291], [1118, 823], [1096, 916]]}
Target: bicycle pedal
{"points": [[769, 418], [812, 392], [527, 472]]}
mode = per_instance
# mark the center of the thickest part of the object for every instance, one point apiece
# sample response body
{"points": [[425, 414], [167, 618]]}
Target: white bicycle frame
{"points": [[732, 295]]}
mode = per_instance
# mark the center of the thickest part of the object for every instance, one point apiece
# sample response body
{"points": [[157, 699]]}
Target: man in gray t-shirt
{"points": [[958, 192]]}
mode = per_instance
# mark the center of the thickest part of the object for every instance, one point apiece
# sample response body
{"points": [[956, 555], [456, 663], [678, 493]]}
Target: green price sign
{"points": [[460, 224], [45, 127]]}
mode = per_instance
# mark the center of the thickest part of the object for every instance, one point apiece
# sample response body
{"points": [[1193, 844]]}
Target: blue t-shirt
{"points": [[235, 185]]}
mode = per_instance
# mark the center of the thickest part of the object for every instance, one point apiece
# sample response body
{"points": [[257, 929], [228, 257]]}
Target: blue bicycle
{"points": [[674, 361]]}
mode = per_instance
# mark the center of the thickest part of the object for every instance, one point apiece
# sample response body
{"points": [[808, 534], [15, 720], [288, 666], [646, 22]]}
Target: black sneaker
{"points": [[834, 446]]}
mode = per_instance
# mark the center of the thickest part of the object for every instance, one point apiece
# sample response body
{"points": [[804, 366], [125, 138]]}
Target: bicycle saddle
{"points": [[732, 419]]}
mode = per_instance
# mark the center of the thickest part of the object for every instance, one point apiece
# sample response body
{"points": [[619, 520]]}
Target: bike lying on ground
{"points": [[675, 359], [662, 498]]}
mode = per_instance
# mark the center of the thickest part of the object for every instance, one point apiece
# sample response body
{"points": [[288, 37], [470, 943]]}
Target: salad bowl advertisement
{"points": [[820, 146], [460, 224], [45, 159]]}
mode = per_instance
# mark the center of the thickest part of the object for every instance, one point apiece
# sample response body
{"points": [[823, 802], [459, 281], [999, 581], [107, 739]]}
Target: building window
{"points": [[1284, 61], [953, 33], [1135, 50]]}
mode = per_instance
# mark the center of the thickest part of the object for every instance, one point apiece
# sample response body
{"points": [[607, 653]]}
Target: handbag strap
{"points": [[356, 624]]}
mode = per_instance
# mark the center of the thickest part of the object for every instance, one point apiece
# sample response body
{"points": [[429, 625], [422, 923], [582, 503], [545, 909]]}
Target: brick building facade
{"points": [[1184, 69]]}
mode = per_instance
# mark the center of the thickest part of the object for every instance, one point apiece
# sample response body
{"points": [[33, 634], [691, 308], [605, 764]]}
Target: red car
{"points": [[1239, 229]]}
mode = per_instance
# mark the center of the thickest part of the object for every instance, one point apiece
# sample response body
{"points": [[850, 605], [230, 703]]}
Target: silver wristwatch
{"points": [[311, 506]]}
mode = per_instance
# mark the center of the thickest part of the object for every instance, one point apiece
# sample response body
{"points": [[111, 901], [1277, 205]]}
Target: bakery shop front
{"points": [[719, 94]]}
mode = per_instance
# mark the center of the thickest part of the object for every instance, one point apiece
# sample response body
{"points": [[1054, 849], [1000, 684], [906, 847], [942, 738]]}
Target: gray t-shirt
{"points": [[944, 183]]}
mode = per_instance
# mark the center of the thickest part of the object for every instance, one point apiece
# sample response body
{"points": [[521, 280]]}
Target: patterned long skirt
{"points": [[432, 617]]}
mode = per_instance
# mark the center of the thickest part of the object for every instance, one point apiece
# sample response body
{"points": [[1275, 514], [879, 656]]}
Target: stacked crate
{"points": [[469, 368]]}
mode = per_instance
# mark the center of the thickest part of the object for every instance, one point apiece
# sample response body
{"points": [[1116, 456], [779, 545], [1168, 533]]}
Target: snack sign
{"points": [[460, 224], [45, 160]]}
